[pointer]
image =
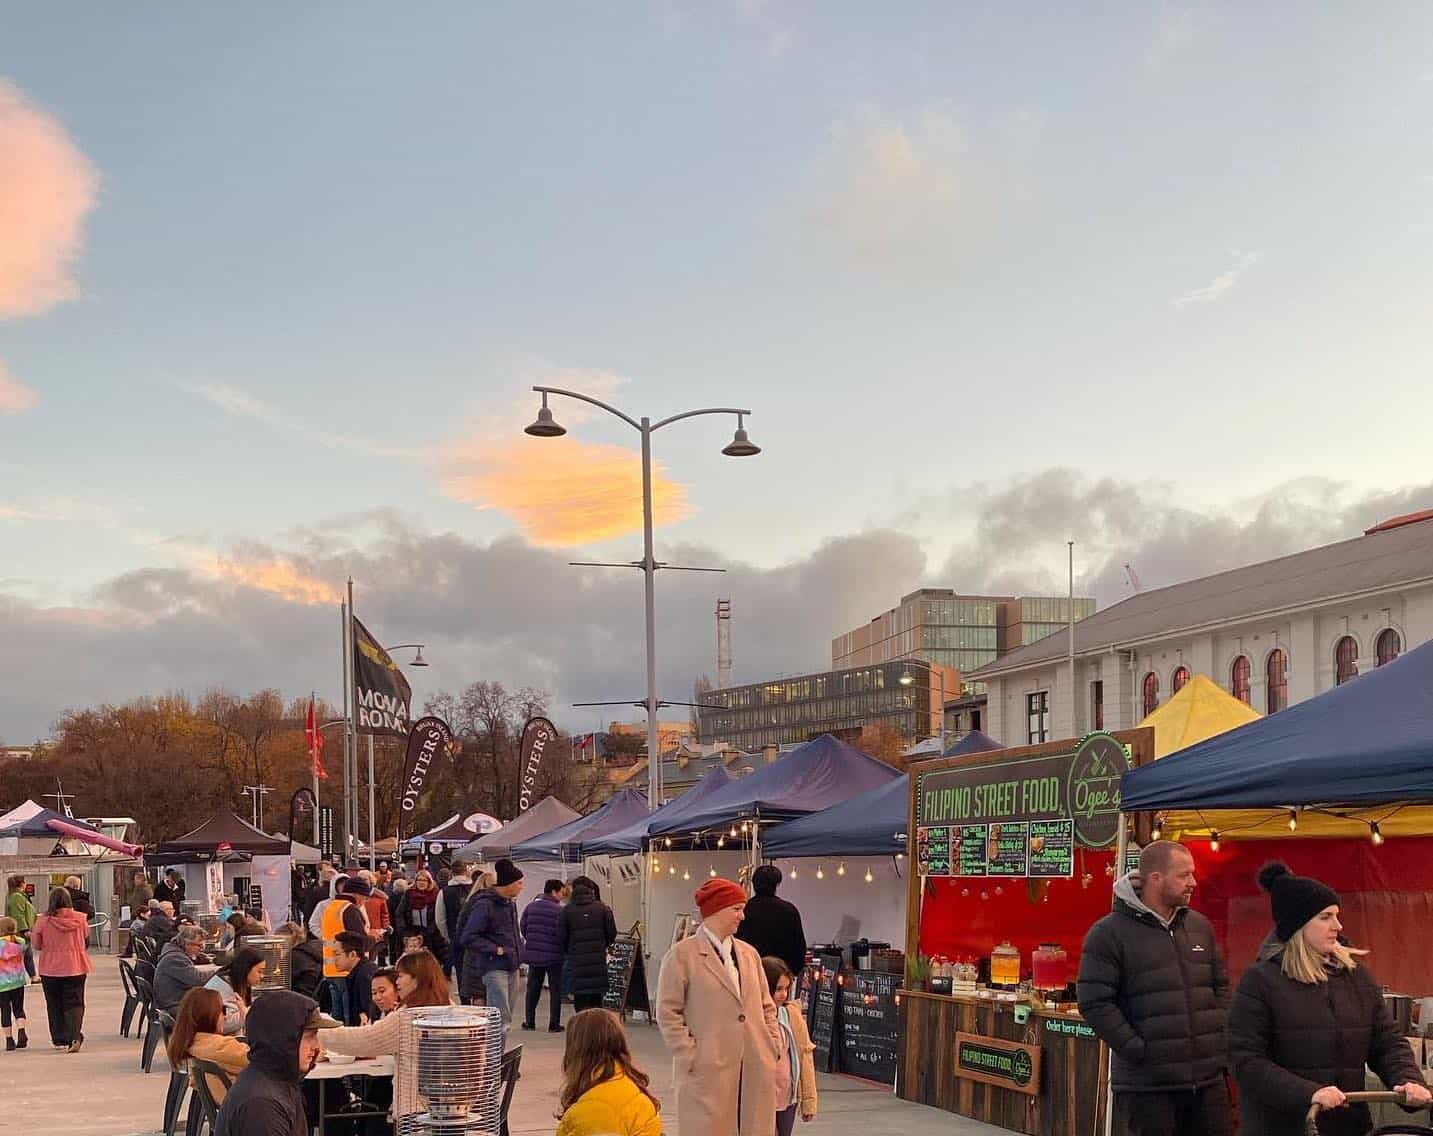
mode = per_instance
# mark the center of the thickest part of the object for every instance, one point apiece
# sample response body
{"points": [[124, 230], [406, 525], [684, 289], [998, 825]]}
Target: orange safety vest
{"points": [[332, 927]]}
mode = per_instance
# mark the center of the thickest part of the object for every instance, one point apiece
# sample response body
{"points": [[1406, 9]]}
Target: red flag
{"points": [[315, 742]]}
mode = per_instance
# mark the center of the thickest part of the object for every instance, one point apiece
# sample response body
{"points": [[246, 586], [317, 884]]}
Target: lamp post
{"points": [[740, 446], [907, 678]]}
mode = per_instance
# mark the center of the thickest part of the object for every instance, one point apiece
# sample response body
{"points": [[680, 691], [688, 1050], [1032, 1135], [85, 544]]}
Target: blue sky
{"points": [[938, 249]]}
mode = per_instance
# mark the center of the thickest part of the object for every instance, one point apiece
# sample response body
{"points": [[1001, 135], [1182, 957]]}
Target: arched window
{"points": [[1151, 693], [1239, 678], [1345, 660], [1181, 676], [1389, 646], [1276, 682]]}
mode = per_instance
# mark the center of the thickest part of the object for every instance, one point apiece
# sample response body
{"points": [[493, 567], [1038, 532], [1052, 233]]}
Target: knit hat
{"points": [[507, 873], [717, 895], [1294, 899]]}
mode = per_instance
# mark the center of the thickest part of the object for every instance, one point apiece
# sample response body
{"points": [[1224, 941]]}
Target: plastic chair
{"points": [[203, 1108], [508, 1077], [131, 997], [178, 1080], [155, 1036], [101, 932]]}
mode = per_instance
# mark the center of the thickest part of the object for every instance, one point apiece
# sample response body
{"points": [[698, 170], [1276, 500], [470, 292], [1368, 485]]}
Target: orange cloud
{"points": [[15, 396], [561, 491], [46, 188], [280, 577]]}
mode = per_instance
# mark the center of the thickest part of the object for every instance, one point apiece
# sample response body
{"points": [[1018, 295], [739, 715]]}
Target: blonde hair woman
{"points": [[1308, 1017]]}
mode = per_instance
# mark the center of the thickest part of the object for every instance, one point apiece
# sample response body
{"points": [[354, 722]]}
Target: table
{"points": [[327, 1071]]}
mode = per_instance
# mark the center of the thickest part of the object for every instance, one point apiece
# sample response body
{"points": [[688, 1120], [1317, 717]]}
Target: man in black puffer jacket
{"points": [[1154, 988], [586, 931]]}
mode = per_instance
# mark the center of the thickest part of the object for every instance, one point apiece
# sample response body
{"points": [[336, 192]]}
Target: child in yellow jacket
{"points": [[603, 1091]]}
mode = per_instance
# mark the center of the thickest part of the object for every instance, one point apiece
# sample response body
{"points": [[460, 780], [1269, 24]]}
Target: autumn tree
{"points": [[883, 742]]}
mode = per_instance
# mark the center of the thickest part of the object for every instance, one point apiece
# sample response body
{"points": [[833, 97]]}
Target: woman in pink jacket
{"points": [[59, 936]]}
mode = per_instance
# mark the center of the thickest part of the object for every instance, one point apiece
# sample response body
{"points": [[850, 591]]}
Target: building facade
{"points": [[788, 711], [963, 633], [1272, 634]]}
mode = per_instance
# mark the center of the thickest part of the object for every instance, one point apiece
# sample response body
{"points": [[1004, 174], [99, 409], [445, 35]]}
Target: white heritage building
{"points": [[1271, 634]]}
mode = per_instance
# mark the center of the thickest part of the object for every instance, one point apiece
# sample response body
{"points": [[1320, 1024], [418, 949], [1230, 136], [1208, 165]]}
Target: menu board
{"points": [[933, 851], [870, 1026], [1052, 849], [823, 1016], [626, 976], [1008, 849], [971, 860]]}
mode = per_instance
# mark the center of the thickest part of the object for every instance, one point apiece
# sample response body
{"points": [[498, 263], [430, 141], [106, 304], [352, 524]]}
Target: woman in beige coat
{"points": [[719, 1021]]}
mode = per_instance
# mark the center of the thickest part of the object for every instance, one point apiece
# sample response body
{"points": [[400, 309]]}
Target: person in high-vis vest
{"points": [[340, 916]]}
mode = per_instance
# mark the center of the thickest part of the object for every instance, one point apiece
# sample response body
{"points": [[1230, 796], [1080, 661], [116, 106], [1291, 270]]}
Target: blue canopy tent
{"points": [[630, 839], [871, 824], [565, 842], [1368, 742], [812, 777]]}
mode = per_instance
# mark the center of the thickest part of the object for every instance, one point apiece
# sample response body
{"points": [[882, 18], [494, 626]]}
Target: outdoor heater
{"points": [[454, 1056], [275, 951]]}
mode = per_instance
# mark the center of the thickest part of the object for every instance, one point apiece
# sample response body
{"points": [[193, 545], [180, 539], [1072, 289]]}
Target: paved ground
{"points": [[101, 1091]]}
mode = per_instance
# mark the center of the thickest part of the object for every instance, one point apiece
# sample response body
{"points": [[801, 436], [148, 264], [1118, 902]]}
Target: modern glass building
{"points": [[787, 711]]}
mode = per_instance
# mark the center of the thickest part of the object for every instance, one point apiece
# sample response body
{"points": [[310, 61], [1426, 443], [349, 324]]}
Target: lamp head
{"points": [[546, 426], [740, 445], [419, 660], [906, 677]]}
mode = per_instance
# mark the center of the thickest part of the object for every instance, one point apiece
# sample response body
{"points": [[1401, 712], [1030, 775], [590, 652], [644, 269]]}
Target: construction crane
{"points": [[1133, 578], [723, 618]]}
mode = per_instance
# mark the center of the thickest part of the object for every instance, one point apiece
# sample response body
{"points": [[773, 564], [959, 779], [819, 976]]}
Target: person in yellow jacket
{"points": [[603, 1091]]}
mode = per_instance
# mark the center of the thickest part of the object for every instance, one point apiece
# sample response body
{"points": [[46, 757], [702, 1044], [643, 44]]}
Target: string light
{"points": [[656, 866], [721, 841], [711, 873], [1158, 831], [820, 872], [793, 871], [732, 834], [672, 870], [1214, 840], [1375, 833], [686, 875], [841, 871], [1293, 821], [869, 878], [900, 855], [669, 842]]}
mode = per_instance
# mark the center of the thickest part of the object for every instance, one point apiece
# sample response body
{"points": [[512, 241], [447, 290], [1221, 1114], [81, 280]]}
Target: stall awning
{"points": [[1367, 742], [630, 839], [566, 843], [544, 816], [823, 772], [223, 832], [871, 824]]}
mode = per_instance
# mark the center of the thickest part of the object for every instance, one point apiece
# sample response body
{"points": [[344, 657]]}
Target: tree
{"points": [[883, 742]]}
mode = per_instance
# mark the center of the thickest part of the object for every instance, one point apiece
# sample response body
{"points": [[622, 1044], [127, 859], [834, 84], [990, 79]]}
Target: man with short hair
{"points": [[491, 942], [541, 929], [175, 973], [267, 1098], [351, 961], [79, 897], [1153, 986], [171, 888], [716, 1014], [341, 916], [451, 897], [773, 925]]}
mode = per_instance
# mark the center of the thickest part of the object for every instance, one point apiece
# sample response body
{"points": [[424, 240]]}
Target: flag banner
{"points": [[301, 813], [381, 693], [315, 742], [537, 735], [429, 737]]}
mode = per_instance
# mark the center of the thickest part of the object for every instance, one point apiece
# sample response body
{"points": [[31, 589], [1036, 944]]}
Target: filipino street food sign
{"points": [[1023, 817]]}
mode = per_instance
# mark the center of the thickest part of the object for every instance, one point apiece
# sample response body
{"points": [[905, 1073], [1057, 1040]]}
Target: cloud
{"points": [[561, 491], [47, 187], [15, 396], [1173, 32], [1221, 284], [507, 609], [241, 404]]}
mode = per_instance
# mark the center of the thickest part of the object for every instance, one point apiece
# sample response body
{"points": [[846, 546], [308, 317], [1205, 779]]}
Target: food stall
{"points": [[1013, 858]]}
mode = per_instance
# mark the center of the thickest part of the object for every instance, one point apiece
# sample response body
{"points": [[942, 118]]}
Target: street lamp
{"points": [[740, 446], [907, 678]]}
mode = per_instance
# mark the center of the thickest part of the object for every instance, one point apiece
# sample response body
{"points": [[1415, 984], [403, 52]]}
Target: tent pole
{"points": [[1121, 846]]}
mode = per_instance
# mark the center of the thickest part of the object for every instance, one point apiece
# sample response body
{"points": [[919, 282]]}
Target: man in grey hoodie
{"points": [[1153, 986]]}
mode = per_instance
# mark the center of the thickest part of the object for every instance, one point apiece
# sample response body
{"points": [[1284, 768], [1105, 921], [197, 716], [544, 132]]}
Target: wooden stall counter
{"points": [[968, 1055]]}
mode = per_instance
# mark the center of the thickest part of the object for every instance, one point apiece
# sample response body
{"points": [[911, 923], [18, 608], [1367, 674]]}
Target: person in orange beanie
{"points": [[716, 1014]]}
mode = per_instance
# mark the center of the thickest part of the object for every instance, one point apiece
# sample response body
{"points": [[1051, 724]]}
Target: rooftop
{"points": [[1396, 553]]}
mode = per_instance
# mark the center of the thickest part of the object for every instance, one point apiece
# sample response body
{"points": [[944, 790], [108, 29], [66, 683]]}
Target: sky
{"points": [[275, 284]]}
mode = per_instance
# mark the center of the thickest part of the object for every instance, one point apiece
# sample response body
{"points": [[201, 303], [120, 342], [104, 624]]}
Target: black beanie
{"points": [[1294, 899], [507, 873]]}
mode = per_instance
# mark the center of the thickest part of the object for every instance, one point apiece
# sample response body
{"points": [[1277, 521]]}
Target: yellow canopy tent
{"points": [[1203, 709]]}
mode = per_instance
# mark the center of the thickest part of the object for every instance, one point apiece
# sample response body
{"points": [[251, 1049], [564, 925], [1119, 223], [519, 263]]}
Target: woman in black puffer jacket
{"points": [[585, 932], [1306, 1019]]}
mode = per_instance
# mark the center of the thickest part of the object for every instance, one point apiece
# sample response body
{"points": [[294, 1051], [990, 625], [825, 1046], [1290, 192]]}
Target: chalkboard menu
{"points": [[626, 976], [325, 832], [1052, 849], [824, 1014], [870, 1026], [1007, 849], [971, 858]]}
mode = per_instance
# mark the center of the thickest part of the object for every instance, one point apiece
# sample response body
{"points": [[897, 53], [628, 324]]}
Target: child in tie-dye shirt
{"points": [[17, 966]]}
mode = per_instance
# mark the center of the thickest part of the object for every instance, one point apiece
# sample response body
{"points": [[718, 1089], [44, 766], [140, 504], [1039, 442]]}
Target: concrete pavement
{"points": [[101, 1091]]}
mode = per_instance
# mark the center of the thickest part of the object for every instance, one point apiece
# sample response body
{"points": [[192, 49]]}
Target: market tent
{"points": [[1367, 742], [872, 823], [823, 772], [544, 816], [1202, 709], [973, 742], [452, 834], [223, 832], [566, 841], [630, 839]]}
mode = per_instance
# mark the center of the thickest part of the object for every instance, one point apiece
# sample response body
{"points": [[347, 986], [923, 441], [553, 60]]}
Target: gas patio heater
{"points": [[454, 1055]]}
